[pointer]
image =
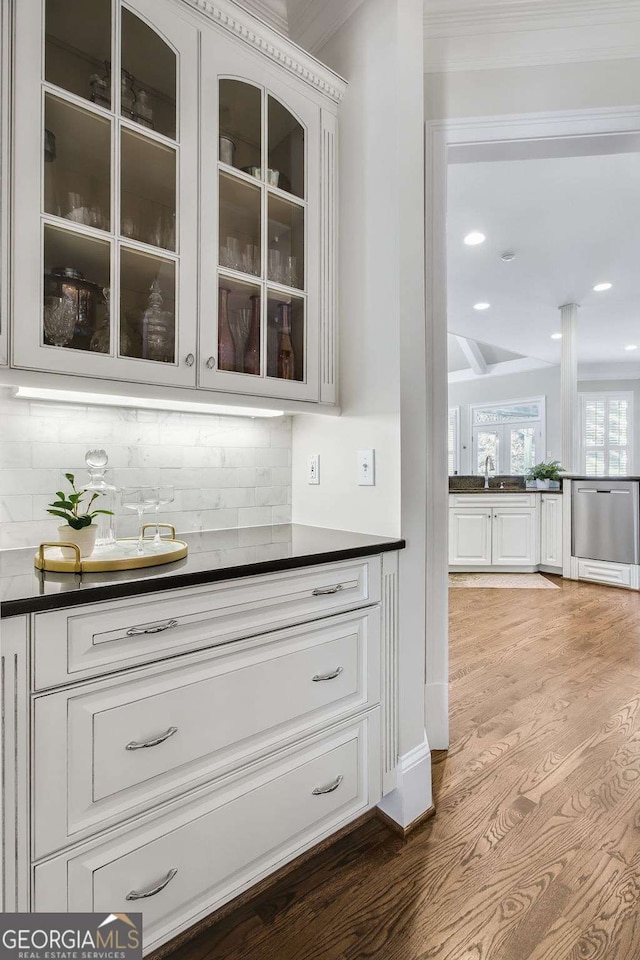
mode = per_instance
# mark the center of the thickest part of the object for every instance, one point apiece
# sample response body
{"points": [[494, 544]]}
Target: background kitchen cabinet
{"points": [[470, 536], [551, 530], [514, 539]]}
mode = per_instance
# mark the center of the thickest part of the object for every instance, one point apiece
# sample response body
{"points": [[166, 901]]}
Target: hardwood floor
{"points": [[534, 852]]}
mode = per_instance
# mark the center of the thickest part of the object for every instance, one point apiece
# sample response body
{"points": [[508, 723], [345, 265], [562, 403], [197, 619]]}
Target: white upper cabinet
{"points": [[106, 164], [260, 284], [174, 202]]}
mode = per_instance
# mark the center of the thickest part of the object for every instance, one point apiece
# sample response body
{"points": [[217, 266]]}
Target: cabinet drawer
{"points": [[135, 742], [494, 500], [604, 571], [102, 638], [221, 841]]}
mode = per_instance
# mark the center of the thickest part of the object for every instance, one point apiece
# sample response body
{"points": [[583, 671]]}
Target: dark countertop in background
{"points": [[499, 492], [213, 555]]}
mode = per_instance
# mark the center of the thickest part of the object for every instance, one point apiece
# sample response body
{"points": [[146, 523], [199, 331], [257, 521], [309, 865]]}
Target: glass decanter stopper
{"points": [[96, 461]]}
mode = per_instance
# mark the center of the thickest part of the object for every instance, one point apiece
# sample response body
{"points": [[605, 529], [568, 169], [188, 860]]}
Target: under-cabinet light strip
{"points": [[143, 403]]}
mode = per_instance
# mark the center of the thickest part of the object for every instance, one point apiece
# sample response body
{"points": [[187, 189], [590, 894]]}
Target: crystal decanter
{"points": [[96, 461]]}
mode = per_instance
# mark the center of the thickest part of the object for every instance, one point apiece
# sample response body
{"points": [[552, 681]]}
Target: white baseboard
{"points": [[436, 702], [413, 795]]}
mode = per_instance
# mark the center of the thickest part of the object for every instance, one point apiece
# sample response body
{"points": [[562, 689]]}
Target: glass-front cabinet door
{"points": [[260, 243], [106, 167]]}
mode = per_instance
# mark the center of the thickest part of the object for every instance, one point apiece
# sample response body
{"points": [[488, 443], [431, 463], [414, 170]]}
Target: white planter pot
{"points": [[84, 538], [543, 484]]}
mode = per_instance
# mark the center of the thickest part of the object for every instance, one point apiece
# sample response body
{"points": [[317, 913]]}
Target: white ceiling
{"points": [[572, 222]]}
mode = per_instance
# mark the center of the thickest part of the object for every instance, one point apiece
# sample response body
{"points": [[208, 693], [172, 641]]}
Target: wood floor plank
{"points": [[534, 852]]}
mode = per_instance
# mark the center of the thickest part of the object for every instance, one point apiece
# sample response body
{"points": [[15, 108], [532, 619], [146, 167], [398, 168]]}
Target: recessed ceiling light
{"points": [[474, 238], [481, 306], [631, 346], [601, 287], [556, 336]]}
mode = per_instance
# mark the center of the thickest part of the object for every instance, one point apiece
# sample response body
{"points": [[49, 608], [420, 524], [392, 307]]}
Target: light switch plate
{"points": [[313, 471], [366, 468]]}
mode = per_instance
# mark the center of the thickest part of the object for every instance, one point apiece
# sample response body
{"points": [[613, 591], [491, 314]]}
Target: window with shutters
{"points": [[606, 431], [453, 438]]}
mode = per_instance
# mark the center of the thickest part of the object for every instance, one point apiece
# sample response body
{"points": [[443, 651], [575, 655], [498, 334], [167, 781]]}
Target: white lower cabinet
{"points": [[551, 530], [182, 864], [482, 537], [162, 730], [470, 536], [172, 768], [515, 538]]}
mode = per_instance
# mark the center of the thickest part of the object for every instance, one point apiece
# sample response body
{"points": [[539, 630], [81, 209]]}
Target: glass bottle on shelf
{"points": [[226, 346], [144, 113], [286, 355], [127, 96], [157, 328], [96, 461], [252, 349]]}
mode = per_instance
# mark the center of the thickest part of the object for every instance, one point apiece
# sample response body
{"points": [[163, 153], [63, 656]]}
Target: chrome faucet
{"points": [[489, 464]]}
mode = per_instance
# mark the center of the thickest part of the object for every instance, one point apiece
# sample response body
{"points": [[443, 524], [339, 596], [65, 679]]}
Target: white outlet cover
{"points": [[366, 468], [313, 469]]}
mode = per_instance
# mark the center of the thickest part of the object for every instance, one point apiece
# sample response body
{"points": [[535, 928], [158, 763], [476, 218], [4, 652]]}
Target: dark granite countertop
{"points": [[213, 555], [498, 492]]}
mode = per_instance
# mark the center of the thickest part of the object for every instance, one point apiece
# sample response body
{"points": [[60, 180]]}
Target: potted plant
{"points": [[545, 474], [78, 526]]}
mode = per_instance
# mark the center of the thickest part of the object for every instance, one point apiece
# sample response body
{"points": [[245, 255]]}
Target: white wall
{"points": [[535, 383], [382, 341], [365, 51], [227, 471], [519, 90]]}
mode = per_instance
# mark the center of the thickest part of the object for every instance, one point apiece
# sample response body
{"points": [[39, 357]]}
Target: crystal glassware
{"points": [[291, 272], [59, 320], [97, 461], [233, 253], [140, 500], [240, 323], [275, 265], [165, 495]]}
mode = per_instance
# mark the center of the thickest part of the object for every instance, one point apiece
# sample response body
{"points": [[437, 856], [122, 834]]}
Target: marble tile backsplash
{"points": [[227, 471]]}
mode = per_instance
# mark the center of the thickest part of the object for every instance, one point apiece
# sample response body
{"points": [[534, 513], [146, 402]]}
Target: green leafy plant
{"points": [[73, 508], [545, 471]]}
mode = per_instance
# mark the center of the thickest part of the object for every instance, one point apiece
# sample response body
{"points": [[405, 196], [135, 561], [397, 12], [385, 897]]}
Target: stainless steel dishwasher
{"points": [[604, 520]]}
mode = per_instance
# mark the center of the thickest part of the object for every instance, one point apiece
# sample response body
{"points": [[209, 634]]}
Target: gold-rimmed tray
{"points": [[123, 555]]}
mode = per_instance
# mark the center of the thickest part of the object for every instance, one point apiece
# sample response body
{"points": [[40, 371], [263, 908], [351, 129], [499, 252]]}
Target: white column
{"points": [[569, 387]]}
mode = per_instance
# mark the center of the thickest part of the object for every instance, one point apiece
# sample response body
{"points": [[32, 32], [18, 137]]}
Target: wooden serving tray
{"points": [[122, 556]]}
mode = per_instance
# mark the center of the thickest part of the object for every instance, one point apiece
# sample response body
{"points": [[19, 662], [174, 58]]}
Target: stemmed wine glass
{"points": [[139, 499], [165, 495]]}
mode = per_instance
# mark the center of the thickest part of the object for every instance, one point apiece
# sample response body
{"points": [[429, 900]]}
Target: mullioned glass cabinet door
{"points": [[106, 165], [260, 250]]}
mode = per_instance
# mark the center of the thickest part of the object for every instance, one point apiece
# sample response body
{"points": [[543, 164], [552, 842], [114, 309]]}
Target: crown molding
{"points": [[490, 34], [250, 29], [450, 18], [313, 22], [273, 12]]}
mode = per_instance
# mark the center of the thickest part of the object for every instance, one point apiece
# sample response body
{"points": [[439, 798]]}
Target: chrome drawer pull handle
{"points": [[319, 677], [325, 591], [160, 628], [142, 895], [152, 743], [330, 787]]}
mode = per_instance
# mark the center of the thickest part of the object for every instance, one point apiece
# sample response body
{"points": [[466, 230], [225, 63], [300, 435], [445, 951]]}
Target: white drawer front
{"points": [[200, 717], [494, 500], [602, 571], [222, 841], [100, 638]]}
